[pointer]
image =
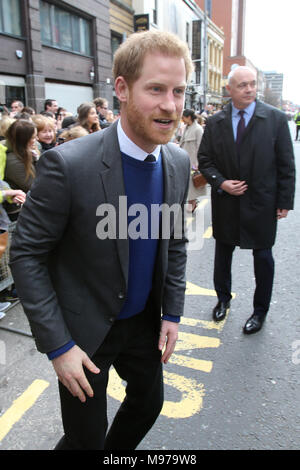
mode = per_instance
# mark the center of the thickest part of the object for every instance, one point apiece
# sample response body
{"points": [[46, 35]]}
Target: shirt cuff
{"points": [[58, 352], [173, 318]]}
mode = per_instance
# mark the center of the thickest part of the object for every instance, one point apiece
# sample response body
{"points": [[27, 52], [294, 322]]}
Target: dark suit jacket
{"points": [[265, 162], [71, 284]]}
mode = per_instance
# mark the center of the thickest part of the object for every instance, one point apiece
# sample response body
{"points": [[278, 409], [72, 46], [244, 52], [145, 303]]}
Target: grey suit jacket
{"points": [[71, 284]]}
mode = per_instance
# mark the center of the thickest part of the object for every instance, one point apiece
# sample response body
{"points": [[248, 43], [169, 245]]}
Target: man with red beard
{"points": [[105, 299]]}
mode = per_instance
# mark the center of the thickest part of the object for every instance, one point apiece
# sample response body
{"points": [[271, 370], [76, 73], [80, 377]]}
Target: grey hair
{"points": [[232, 72]]}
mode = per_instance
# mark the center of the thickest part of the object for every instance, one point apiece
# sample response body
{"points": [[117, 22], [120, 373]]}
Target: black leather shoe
{"points": [[254, 324], [220, 310]]}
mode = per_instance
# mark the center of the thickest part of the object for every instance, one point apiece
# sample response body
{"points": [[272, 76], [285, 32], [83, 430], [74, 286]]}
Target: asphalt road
{"points": [[224, 390]]}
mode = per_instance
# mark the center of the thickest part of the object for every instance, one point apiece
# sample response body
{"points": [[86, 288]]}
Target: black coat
{"points": [[266, 163]]}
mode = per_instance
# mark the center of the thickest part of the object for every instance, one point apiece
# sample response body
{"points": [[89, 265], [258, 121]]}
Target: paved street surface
{"points": [[224, 390]]}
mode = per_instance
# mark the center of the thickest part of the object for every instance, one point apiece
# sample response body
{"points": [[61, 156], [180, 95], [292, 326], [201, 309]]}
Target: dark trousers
{"points": [[263, 270], [131, 347], [297, 131]]}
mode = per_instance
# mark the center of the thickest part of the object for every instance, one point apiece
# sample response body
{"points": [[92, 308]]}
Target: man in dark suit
{"points": [[93, 295], [246, 154]]}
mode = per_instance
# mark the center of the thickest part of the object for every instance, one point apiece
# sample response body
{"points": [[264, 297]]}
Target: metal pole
{"points": [[14, 330]]}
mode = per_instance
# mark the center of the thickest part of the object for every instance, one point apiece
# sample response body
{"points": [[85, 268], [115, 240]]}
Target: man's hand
{"points": [[168, 337], [281, 213], [69, 370], [234, 187]]}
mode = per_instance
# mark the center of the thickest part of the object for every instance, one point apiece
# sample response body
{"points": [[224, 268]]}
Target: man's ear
{"points": [[121, 89]]}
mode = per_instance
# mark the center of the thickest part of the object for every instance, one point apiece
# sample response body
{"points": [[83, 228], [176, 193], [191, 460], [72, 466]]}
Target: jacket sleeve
{"points": [[206, 161], [40, 226], [175, 282], [285, 167]]}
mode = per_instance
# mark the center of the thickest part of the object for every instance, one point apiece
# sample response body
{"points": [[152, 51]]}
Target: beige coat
{"points": [[190, 141]]}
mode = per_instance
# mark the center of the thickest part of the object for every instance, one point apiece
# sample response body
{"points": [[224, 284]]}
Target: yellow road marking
{"points": [[193, 289], [191, 394], [21, 405], [192, 341], [191, 363], [191, 401], [209, 325]]}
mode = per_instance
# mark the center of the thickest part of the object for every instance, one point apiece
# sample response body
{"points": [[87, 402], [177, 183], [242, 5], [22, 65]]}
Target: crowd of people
{"points": [[24, 136]]}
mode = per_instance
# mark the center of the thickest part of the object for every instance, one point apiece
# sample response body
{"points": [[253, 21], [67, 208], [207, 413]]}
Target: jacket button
{"points": [[111, 319], [121, 295]]}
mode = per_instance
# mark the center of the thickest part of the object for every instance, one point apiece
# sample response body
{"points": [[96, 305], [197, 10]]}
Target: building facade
{"points": [[273, 88], [55, 50], [63, 49]]}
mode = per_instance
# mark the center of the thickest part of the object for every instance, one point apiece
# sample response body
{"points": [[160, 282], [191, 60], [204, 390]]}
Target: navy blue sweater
{"points": [[143, 186]]}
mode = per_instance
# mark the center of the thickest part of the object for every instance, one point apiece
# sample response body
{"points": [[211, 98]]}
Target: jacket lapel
{"points": [[113, 182]]}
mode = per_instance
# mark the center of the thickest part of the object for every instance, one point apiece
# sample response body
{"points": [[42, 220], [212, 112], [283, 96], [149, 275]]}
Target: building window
{"points": [[65, 30], [10, 17], [154, 11], [196, 49], [187, 33], [116, 41]]}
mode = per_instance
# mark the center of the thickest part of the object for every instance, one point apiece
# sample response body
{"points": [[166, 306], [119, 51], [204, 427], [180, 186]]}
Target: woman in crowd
{"points": [[88, 117], [20, 160], [46, 132], [190, 141], [5, 123], [72, 133]]}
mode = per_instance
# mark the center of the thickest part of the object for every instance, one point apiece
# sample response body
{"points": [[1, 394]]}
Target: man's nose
{"points": [[168, 103]]}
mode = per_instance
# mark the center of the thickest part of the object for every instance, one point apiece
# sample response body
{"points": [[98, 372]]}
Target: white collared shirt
{"points": [[130, 148]]}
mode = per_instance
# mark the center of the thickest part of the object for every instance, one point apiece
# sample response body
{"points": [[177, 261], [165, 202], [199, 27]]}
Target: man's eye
{"points": [[179, 91]]}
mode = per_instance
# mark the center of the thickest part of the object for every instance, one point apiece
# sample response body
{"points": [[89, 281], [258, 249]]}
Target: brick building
{"points": [[55, 49]]}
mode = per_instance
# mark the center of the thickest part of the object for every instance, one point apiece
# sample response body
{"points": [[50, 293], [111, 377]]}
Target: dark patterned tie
{"points": [[150, 158], [240, 128]]}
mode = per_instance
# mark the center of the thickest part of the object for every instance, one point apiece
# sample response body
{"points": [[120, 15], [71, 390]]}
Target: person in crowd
{"points": [[16, 107], [102, 108], [60, 116], [5, 123], [108, 312], [201, 121], [110, 116], [51, 106], [246, 154], [297, 122], [48, 114], [68, 121], [28, 110], [23, 115], [20, 160], [72, 133], [46, 132], [190, 141], [12, 196], [88, 118]]}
